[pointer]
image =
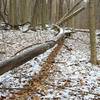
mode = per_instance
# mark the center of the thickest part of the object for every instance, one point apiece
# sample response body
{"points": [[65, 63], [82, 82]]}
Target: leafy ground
{"points": [[73, 77]]}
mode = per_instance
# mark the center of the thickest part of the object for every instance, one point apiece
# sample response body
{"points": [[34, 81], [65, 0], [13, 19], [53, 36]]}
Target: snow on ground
{"points": [[74, 77], [18, 77], [13, 42]]}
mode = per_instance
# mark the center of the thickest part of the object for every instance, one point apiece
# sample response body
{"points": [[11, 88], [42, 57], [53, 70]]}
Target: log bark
{"points": [[18, 60]]}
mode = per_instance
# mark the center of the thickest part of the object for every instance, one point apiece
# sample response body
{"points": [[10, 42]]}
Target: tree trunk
{"points": [[92, 26], [22, 7], [28, 10], [59, 9], [50, 11], [0, 10], [35, 15], [12, 13], [43, 13]]}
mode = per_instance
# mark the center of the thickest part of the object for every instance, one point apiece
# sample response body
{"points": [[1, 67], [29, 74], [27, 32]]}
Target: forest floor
{"points": [[73, 77]]}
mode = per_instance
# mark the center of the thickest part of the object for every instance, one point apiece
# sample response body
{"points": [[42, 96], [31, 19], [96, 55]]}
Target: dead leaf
{"points": [[81, 82], [12, 97], [36, 98], [67, 82]]}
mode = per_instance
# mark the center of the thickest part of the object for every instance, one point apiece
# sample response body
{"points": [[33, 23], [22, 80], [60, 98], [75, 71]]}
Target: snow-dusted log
{"points": [[24, 57], [30, 53]]}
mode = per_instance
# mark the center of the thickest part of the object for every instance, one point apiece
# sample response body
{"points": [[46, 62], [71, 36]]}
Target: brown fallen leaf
{"points": [[36, 98], [18, 93], [11, 97], [81, 82], [67, 82]]}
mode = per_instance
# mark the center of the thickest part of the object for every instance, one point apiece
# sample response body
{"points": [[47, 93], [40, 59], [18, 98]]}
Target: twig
{"points": [[69, 49], [80, 40], [84, 92], [60, 62], [13, 88]]}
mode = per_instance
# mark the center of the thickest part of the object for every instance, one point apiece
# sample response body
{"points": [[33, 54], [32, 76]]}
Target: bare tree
{"points": [[92, 26], [68, 9], [22, 7], [12, 15], [36, 13], [50, 11], [0, 10], [60, 8], [43, 12]]}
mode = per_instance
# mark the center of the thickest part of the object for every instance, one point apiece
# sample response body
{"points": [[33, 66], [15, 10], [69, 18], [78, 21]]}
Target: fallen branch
{"points": [[12, 88], [85, 93], [67, 13], [80, 40], [70, 16], [69, 49], [82, 30]]}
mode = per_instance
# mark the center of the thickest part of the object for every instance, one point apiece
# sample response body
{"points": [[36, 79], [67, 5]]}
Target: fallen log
{"points": [[30, 53], [18, 60]]}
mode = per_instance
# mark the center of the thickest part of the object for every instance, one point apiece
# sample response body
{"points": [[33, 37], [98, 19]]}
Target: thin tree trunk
{"points": [[59, 9], [12, 13], [43, 13], [54, 5], [50, 11], [92, 30], [28, 10], [22, 4], [0, 10], [35, 13], [68, 9]]}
